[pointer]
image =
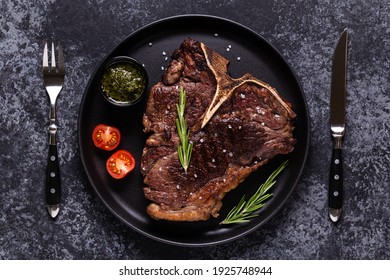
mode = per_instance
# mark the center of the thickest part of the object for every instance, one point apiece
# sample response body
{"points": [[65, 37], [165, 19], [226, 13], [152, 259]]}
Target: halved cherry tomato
{"points": [[106, 137], [120, 164]]}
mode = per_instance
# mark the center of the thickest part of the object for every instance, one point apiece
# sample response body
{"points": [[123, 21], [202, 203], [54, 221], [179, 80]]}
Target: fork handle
{"points": [[53, 180]]}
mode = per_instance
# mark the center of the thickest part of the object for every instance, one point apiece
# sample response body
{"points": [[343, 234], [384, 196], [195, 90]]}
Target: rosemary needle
{"points": [[245, 210]]}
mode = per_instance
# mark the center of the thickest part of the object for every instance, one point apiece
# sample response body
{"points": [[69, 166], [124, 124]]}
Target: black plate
{"points": [[247, 52]]}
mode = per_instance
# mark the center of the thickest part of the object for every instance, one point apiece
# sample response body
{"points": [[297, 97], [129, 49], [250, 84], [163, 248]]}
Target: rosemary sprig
{"points": [[245, 210], [184, 149]]}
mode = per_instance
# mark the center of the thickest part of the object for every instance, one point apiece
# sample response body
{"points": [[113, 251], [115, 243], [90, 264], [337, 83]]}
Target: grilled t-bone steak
{"points": [[236, 126]]}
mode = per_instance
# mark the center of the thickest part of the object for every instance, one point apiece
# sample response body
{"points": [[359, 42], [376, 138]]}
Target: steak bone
{"points": [[226, 84]]}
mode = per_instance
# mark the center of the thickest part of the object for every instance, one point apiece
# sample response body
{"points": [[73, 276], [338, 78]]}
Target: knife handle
{"points": [[53, 181], [336, 180]]}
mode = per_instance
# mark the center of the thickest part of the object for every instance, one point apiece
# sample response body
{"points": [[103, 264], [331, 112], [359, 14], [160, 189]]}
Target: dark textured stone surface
{"points": [[305, 32]]}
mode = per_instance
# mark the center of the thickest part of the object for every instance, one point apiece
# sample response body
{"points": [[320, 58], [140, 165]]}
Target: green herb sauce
{"points": [[123, 83]]}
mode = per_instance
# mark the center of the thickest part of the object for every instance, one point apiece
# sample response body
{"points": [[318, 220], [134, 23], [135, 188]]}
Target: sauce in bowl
{"points": [[123, 81]]}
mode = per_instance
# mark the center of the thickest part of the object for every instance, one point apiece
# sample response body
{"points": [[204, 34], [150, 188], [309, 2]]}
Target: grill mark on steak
{"points": [[251, 125]]}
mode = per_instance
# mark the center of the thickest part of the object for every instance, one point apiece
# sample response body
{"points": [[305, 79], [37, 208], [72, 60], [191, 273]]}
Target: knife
{"points": [[337, 125]]}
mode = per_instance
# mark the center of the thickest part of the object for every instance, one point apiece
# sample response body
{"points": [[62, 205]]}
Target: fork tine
{"points": [[61, 64], [53, 56], [45, 58]]}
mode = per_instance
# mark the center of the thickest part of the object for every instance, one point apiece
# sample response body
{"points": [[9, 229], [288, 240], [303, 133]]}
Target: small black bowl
{"points": [[127, 72]]}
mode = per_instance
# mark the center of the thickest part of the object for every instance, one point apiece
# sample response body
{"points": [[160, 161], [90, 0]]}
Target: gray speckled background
{"points": [[305, 32]]}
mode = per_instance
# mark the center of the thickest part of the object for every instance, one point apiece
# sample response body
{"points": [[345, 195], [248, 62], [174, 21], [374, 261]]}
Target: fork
{"points": [[53, 79]]}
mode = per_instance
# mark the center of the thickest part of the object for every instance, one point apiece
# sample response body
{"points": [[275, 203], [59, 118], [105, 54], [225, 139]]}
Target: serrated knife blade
{"points": [[337, 125]]}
